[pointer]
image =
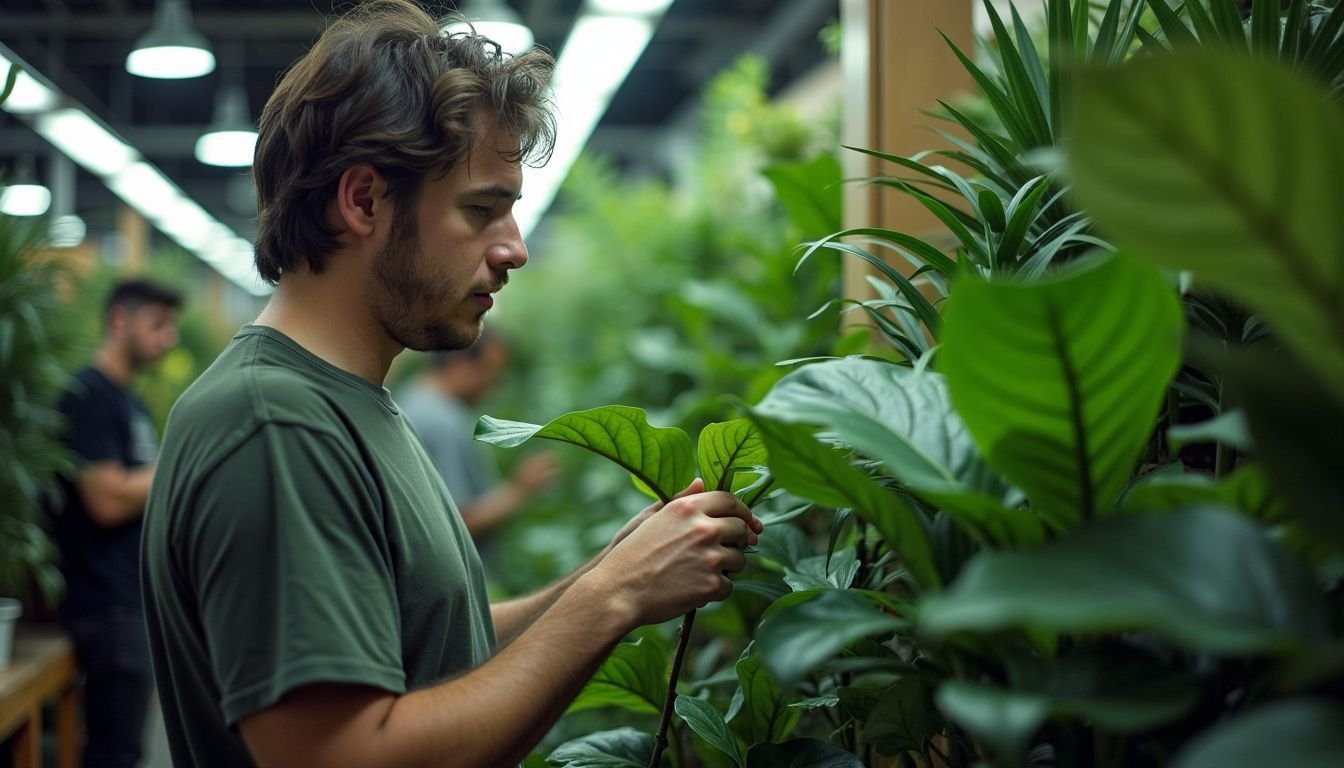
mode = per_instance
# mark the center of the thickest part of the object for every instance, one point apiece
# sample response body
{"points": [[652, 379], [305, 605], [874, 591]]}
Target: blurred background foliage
{"points": [[677, 296]]}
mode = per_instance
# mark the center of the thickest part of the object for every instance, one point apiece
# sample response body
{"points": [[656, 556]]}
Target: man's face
{"points": [[151, 330], [435, 274]]}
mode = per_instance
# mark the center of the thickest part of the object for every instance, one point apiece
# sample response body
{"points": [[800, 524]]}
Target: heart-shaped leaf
{"points": [[807, 631], [726, 445], [659, 457]]}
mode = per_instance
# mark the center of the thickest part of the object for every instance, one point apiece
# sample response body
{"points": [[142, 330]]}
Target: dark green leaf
{"points": [[633, 677], [810, 192], [1227, 167], [620, 748], [795, 639], [903, 719], [1247, 490], [1002, 718], [1059, 382], [660, 457], [1204, 578], [765, 715], [1303, 733], [801, 753], [807, 468], [11, 78], [822, 572], [1229, 429], [708, 724]]}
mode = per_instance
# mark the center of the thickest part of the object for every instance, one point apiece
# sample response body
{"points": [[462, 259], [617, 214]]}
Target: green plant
{"points": [[729, 457], [32, 334], [1003, 580]]}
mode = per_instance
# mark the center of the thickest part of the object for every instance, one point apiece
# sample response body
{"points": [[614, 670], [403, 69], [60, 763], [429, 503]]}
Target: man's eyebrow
{"points": [[495, 190]]}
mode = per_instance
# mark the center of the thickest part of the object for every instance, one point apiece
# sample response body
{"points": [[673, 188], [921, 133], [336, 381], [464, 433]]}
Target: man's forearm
{"points": [[513, 616], [489, 717]]}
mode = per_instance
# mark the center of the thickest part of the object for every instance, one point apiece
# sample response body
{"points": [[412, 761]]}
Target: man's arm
{"points": [[492, 716], [512, 616], [113, 494], [499, 503]]}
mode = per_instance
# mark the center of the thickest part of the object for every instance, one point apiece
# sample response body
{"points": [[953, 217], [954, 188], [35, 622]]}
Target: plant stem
{"points": [[683, 640]]}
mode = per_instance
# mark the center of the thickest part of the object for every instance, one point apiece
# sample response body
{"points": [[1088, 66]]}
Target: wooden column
{"points": [[896, 65], [134, 235]]}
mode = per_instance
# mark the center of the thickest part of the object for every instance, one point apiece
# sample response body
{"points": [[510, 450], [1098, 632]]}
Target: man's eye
{"points": [[481, 210]]}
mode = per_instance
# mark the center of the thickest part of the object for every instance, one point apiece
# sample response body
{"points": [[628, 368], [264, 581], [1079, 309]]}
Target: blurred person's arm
{"points": [[113, 494], [500, 503]]}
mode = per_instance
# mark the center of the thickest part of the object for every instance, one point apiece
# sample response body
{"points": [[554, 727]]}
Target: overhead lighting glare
{"points": [[171, 49], [85, 141], [29, 96], [25, 200], [598, 55], [629, 7], [231, 140], [497, 21]]}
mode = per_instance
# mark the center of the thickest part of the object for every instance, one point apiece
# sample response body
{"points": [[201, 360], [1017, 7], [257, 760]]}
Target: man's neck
{"points": [[113, 362], [322, 318]]}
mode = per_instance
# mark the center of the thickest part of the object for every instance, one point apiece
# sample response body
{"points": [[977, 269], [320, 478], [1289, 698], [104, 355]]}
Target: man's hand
{"points": [[672, 558], [534, 472]]}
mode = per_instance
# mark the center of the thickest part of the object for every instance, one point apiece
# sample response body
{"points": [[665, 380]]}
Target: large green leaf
{"points": [[896, 415], [1229, 167], [1303, 733], [1059, 381], [808, 468], [659, 457], [810, 192], [903, 719], [1002, 718], [619, 748], [765, 714], [708, 724], [633, 677], [1207, 579], [801, 753], [795, 639], [728, 445]]}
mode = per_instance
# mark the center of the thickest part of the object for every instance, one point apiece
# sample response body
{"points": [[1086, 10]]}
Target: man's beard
{"points": [[408, 303]]}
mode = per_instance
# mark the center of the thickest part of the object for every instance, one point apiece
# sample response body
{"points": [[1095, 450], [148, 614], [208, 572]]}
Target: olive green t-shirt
{"points": [[297, 533]]}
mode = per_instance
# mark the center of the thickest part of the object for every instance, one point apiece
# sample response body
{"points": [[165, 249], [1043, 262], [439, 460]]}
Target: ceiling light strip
{"points": [[607, 39], [82, 137]]}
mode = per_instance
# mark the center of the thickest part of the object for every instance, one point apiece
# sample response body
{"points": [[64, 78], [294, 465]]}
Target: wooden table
{"points": [[41, 669]]}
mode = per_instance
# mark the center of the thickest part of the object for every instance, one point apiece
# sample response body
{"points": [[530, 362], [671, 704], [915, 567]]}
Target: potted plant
{"points": [[31, 454]]}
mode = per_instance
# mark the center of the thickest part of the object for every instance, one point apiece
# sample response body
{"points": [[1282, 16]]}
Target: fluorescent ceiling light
{"points": [[139, 184], [85, 141], [596, 58], [629, 7], [171, 49], [29, 95], [25, 200], [497, 21], [147, 190]]}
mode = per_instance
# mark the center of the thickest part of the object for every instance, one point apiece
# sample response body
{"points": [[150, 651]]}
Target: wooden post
{"points": [[134, 232], [896, 65]]}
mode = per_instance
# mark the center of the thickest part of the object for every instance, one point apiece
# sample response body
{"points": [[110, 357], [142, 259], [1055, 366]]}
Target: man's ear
{"points": [[360, 200], [115, 322]]}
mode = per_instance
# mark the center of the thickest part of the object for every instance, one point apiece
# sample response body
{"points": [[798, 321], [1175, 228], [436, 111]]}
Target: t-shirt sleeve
{"points": [[92, 431], [291, 566]]}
